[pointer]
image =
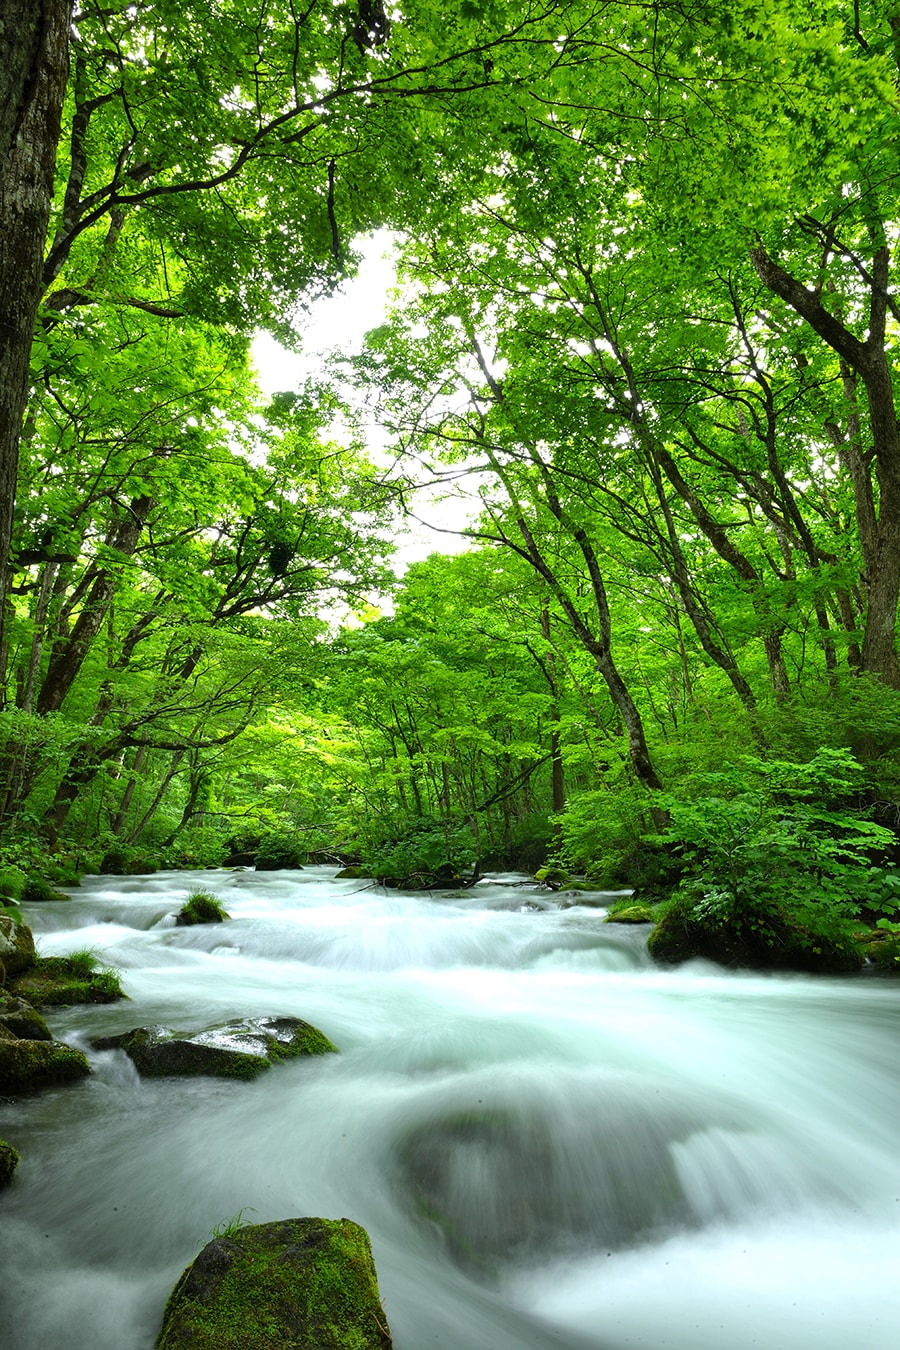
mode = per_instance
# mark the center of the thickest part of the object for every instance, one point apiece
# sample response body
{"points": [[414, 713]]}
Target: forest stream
{"points": [[553, 1144]]}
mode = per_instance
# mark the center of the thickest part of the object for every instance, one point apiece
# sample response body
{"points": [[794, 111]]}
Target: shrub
{"points": [[769, 842], [279, 849], [426, 852]]}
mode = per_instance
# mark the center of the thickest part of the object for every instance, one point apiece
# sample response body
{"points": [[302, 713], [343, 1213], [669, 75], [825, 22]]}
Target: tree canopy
{"points": [[647, 314]]}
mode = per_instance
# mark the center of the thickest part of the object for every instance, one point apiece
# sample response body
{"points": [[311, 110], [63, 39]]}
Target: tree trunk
{"points": [[868, 360], [69, 655], [35, 51]]}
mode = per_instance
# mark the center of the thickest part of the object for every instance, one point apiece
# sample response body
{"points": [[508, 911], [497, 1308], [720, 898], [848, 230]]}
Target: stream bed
{"points": [[553, 1144]]}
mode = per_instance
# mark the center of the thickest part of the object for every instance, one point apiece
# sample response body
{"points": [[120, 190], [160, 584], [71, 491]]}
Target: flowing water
{"points": [[553, 1144]]}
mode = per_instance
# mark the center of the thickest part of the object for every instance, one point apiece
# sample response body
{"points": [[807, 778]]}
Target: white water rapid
{"points": [[553, 1144]]}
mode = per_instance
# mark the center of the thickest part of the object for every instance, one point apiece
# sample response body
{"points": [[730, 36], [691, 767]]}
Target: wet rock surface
{"points": [[240, 1049]]}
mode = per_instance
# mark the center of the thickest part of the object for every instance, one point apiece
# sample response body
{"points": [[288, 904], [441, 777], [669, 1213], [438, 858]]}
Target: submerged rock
{"points": [[506, 1183], [9, 1161], [16, 946], [29, 1066], [240, 1049], [298, 1284]]}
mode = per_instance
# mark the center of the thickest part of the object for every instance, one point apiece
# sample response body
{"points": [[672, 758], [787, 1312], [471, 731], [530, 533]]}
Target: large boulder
{"points": [[298, 1284], [9, 1161], [239, 1049], [761, 940], [21, 1020], [29, 1066], [16, 946]]}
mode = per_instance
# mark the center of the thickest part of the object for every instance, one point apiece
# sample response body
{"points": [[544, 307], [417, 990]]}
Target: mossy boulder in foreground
{"points": [[240, 1049], [298, 1284], [21, 1020], [29, 1066], [9, 1161], [16, 946]]}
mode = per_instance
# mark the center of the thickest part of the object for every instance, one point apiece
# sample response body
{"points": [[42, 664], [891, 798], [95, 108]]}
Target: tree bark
{"points": [[869, 361], [36, 43]]}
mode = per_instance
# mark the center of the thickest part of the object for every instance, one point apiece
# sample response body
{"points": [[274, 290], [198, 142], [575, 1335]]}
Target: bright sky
{"points": [[340, 322]]}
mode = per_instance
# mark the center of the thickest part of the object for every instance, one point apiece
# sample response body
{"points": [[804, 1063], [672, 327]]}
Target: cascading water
{"points": [[553, 1144]]}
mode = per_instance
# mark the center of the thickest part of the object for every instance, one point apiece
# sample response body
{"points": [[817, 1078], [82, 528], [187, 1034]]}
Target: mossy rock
{"points": [[242, 1049], [881, 947], [21, 1020], [200, 907], [351, 874], [9, 1161], [62, 981], [297, 1284], [552, 876], [29, 1066], [760, 941], [39, 891], [631, 914], [16, 946]]}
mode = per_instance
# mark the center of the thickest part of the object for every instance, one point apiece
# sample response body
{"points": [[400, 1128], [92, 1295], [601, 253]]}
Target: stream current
{"points": [[553, 1144]]}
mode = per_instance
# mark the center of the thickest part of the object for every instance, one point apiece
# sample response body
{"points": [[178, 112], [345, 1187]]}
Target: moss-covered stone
{"points": [[240, 1049], [38, 890], [298, 1284], [760, 940], [629, 913], [16, 946], [21, 1020], [552, 876], [200, 907], [28, 1066], [61, 981], [9, 1161], [882, 947], [351, 874]]}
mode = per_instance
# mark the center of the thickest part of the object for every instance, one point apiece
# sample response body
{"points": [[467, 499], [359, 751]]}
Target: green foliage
{"points": [[12, 883], [427, 852], [198, 846], [766, 838], [228, 1228], [277, 849]]}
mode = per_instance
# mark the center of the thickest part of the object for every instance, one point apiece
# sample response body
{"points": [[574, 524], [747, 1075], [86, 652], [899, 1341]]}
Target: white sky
{"points": [[339, 322]]}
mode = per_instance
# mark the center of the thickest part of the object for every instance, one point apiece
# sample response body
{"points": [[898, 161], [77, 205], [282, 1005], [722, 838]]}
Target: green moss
{"points": [[61, 981], [552, 876], [201, 907], [28, 1066], [21, 1020], [627, 912], [881, 947], [278, 1286], [9, 1161]]}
